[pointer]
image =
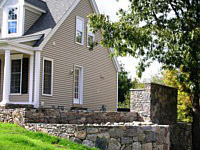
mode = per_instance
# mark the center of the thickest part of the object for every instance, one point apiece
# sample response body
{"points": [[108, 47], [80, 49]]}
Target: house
{"points": [[44, 56]]}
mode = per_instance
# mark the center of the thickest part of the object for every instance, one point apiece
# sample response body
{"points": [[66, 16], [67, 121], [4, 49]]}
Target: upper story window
{"points": [[90, 37], [79, 30], [12, 20]]}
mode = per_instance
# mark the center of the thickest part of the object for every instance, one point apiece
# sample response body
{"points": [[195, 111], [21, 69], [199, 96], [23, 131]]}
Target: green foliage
{"points": [[167, 31], [13, 137], [184, 103], [124, 85], [126, 103], [164, 30]]}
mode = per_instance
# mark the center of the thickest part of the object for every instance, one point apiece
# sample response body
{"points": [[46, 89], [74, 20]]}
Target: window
{"points": [[90, 37], [79, 30], [47, 77], [16, 76], [12, 20], [78, 85], [19, 74]]}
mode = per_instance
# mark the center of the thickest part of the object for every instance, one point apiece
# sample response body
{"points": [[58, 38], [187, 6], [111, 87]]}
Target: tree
{"points": [[124, 85], [164, 30], [184, 103]]}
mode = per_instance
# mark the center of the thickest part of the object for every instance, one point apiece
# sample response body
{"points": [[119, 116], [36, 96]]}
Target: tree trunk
{"points": [[196, 122]]}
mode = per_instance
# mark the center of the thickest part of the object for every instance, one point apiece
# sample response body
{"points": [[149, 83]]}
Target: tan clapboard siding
{"points": [[13, 98], [66, 53], [30, 19]]}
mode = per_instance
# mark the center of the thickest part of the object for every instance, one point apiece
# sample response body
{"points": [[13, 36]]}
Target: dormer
{"points": [[19, 15]]}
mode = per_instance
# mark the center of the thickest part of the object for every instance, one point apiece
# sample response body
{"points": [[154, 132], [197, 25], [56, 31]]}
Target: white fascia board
{"points": [[114, 58], [94, 6], [34, 8], [27, 38], [18, 47]]}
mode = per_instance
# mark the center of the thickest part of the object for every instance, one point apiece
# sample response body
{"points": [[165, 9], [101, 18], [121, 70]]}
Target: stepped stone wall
{"points": [[151, 124]]}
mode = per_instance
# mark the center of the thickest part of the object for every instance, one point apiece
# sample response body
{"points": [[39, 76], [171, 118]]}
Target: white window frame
{"points": [[80, 100], [48, 59], [83, 29], [16, 57], [88, 33], [7, 20]]}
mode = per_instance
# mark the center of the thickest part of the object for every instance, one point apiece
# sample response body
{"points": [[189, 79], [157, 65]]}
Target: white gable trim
{"points": [[58, 24], [34, 8]]}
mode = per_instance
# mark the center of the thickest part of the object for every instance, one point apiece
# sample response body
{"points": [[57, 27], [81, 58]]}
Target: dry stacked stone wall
{"points": [[138, 136]]}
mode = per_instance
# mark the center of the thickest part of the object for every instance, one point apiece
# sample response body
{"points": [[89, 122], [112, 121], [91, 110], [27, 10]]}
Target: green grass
{"points": [[13, 137]]}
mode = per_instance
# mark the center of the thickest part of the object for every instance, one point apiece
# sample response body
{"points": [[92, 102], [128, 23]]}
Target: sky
{"points": [[110, 7]]}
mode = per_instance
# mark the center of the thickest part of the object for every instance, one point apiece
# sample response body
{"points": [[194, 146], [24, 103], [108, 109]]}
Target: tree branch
{"points": [[174, 9]]}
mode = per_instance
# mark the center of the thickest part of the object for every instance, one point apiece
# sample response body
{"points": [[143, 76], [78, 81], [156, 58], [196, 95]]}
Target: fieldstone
{"points": [[114, 144], [150, 136], [136, 146], [80, 135], [128, 147], [135, 139], [147, 146], [76, 140], [88, 143], [116, 133], [101, 143], [92, 130], [141, 137], [92, 137], [131, 132], [104, 135], [126, 140]]}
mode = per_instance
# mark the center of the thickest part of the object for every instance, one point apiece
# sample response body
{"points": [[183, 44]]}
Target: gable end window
{"points": [[12, 20], [79, 30], [47, 77], [90, 37]]}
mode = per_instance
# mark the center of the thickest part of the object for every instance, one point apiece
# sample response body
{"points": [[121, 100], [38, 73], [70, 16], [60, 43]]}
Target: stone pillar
{"points": [[6, 81], [37, 79], [155, 103]]}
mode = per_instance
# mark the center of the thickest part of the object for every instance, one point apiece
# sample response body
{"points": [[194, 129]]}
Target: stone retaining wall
{"points": [[181, 136], [155, 103], [57, 116], [136, 136], [16, 116]]}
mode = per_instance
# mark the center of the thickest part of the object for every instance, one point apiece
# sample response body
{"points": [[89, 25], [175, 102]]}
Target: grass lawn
{"points": [[13, 137]]}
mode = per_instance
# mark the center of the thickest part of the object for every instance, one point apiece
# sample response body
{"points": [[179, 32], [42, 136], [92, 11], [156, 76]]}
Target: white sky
{"points": [[110, 7]]}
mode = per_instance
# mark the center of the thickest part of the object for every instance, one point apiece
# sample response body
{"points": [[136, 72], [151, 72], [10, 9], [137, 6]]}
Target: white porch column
{"points": [[31, 62], [37, 79], [6, 81]]}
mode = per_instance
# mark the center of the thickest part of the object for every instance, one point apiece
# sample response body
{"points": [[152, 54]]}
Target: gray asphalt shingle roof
{"points": [[55, 9]]}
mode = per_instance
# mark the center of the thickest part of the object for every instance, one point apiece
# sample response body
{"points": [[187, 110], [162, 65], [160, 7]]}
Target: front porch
{"points": [[19, 75]]}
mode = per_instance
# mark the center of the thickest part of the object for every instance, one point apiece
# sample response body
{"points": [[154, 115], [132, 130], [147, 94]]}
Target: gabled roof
{"points": [[55, 10]]}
